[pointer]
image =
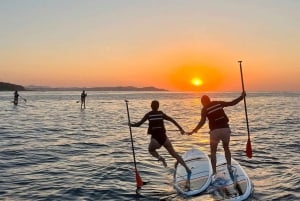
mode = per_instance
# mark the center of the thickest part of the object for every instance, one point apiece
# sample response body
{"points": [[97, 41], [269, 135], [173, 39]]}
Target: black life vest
{"points": [[216, 116], [156, 123]]}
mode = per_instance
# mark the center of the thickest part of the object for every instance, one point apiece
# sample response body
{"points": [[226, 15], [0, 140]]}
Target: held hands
{"points": [[191, 132]]}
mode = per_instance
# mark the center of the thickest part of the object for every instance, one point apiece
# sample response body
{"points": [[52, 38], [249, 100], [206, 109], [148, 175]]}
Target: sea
{"points": [[51, 149]]}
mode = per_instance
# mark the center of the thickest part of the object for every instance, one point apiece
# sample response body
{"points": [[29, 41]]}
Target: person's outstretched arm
{"points": [[200, 124], [235, 101], [137, 124], [166, 117]]}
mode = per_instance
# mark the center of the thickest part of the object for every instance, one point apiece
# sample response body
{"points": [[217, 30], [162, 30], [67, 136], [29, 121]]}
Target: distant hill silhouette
{"points": [[118, 88], [4, 86]]}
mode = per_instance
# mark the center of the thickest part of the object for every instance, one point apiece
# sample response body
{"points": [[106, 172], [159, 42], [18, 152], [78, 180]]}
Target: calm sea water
{"points": [[50, 149]]}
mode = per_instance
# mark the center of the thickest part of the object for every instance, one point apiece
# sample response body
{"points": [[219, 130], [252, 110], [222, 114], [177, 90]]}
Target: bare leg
{"points": [[152, 150], [213, 152], [227, 152], [174, 154]]}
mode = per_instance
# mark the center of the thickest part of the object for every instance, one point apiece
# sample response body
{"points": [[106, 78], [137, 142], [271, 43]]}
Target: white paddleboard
{"points": [[234, 187], [199, 164]]}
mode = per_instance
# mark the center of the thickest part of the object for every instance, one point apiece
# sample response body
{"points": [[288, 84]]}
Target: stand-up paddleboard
{"points": [[234, 186], [199, 164]]}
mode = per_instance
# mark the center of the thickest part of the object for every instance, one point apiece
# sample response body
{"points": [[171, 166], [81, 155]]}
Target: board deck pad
{"points": [[236, 186], [199, 164]]}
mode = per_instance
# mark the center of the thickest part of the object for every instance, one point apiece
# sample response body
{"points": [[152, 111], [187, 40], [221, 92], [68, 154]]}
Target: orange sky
{"points": [[142, 44]]}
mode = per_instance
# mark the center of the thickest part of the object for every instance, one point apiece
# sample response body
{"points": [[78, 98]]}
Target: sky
{"points": [[160, 43]]}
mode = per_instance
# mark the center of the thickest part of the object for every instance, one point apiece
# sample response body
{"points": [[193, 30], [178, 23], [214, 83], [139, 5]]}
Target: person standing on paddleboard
{"points": [[16, 98], [158, 134], [218, 125], [83, 96]]}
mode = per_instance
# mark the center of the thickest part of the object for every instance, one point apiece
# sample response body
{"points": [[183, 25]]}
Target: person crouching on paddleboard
{"points": [[218, 125], [158, 134]]}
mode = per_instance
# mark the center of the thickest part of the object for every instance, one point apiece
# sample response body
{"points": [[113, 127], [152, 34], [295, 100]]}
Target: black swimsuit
{"points": [[161, 138]]}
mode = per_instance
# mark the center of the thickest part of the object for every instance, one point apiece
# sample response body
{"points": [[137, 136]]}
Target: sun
{"points": [[195, 77], [196, 82]]}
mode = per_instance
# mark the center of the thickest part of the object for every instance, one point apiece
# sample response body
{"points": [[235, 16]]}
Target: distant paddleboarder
{"points": [[16, 98], [83, 97], [158, 134]]}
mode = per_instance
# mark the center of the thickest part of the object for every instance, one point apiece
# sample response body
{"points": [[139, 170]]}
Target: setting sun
{"points": [[196, 76], [196, 82]]}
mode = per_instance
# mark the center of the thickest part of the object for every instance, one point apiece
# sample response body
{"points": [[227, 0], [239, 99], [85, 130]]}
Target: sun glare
{"points": [[195, 77], [196, 82]]}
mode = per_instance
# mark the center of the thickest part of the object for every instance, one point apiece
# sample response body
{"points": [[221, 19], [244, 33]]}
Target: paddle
{"points": [[248, 146], [16, 103], [139, 182], [24, 99]]}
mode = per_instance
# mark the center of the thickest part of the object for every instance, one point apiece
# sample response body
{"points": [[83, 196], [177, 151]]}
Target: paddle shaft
{"points": [[246, 113], [132, 146], [24, 99]]}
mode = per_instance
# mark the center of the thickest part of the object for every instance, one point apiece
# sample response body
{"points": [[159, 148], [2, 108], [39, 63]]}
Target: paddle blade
{"points": [[139, 182], [249, 149]]}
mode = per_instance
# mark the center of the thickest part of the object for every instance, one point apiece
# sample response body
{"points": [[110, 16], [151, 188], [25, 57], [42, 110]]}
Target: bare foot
{"points": [[188, 185], [163, 161]]}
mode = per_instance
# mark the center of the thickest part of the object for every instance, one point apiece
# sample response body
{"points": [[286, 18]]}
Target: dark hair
{"points": [[155, 105], [205, 99]]}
